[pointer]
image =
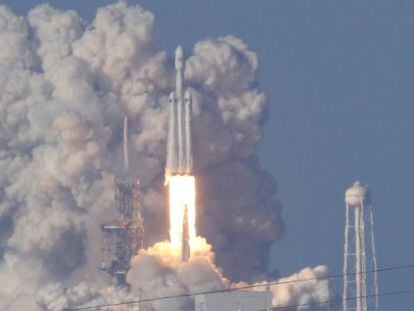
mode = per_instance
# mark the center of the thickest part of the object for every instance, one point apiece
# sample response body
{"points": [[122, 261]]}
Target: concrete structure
{"points": [[359, 251], [234, 301]]}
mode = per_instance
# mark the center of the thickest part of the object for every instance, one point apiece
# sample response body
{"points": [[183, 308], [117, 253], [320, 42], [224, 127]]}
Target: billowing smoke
{"points": [[156, 272], [65, 86]]}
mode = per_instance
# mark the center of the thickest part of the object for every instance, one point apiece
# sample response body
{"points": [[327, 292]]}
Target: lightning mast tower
{"points": [[359, 250], [124, 236]]}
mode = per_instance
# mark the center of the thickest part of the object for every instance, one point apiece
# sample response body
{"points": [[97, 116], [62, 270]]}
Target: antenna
{"points": [[126, 152]]}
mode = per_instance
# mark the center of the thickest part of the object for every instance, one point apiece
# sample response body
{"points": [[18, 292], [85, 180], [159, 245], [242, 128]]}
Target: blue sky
{"points": [[340, 78]]}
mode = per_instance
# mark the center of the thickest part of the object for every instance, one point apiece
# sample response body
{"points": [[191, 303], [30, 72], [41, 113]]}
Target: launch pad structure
{"points": [[122, 238]]}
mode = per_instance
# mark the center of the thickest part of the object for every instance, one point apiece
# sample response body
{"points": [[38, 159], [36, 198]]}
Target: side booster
{"points": [[179, 149]]}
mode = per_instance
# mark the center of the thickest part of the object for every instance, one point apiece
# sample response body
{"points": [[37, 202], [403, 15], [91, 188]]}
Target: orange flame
{"points": [[182, 192]]}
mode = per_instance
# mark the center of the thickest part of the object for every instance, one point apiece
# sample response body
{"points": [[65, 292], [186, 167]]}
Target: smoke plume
{"points": [[65, 86]]}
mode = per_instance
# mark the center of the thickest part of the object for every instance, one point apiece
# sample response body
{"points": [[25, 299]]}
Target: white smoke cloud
{"points": [[293, 293], [65, 86], [159, 271]]}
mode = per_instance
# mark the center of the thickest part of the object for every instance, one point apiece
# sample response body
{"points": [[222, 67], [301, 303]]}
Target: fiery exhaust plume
{"points": [[182, 193]]}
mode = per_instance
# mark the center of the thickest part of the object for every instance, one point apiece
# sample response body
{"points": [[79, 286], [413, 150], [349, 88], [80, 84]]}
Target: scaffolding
{"points": [[123, 237]]}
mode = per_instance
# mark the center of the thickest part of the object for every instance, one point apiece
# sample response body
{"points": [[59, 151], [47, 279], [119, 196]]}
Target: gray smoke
{"points": [[65, 86]]}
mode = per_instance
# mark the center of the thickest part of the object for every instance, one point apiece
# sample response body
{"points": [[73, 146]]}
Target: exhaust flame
{"points": [[182, 193]]}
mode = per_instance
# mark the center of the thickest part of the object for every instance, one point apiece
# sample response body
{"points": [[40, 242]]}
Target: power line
{"points": [[275, 283], [390, 293]]}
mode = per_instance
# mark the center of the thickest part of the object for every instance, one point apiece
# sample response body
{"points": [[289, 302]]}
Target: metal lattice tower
{"points": [[359, 251], [124, 236]]}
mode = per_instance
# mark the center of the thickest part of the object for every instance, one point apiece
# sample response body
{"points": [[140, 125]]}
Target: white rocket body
{"points": [[179, 150]]}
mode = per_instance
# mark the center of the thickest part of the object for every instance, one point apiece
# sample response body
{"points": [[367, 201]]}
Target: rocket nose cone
{"points": [[179, 52], [179, 58]]}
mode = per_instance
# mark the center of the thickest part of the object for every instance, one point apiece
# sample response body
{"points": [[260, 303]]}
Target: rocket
{"points": [[179, 165], [185, 245], [179, 149]]}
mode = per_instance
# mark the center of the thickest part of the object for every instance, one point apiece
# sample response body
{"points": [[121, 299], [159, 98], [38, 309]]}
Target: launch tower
{"points": [[359, 250], [124, 236]]}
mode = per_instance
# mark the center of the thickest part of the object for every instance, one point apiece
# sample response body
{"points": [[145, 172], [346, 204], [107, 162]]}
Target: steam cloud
{"points": [[65, 86]]}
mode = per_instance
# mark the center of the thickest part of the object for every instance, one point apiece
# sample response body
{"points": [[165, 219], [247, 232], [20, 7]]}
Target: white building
{"points": [[234, 301]]}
